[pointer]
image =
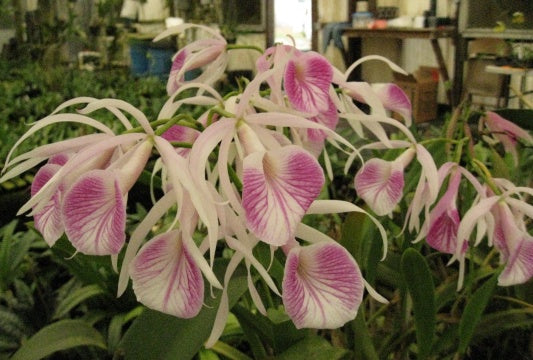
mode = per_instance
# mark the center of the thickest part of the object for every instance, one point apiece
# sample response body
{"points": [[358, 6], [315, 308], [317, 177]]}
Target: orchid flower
{"points": [[444, 219], [209, 52], [322, 286], [395, 99], [85, 200], [48, 221], [515, 245], [426, 191], [278, 187], [181, 134], [307, 80], [81, 189], [379, 97], [442, 223], [506, 132], [509, 234], [94, 209], [166, 277], [380, 183]]}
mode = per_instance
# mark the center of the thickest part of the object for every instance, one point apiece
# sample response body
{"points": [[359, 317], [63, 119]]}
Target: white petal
{"points": [[139, 234], [519, 267], [166, 278], [48, 220], [380, 183], [94, 214], [322, 286], [278, 187]]}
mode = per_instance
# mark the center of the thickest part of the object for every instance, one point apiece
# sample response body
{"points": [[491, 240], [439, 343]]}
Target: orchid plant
{"points": [[251, 169]]}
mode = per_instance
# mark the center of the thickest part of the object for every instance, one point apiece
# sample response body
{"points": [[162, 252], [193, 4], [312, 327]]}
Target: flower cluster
{"points": [[247, 171]]}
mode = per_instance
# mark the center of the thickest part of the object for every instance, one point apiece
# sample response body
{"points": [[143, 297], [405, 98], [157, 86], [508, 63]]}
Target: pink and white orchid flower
{"points": [[506, 132], [380, 183], [307, 80], [94, 209], [442, 222], [322, 286], [395, 99], [48, 221], [278, 187], [209, 53], [166, 277], [444, 219], [515, 245], [501, 218]]}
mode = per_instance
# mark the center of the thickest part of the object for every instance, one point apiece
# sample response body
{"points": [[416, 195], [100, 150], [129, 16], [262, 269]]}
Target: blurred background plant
{"points": [[522, 55]]}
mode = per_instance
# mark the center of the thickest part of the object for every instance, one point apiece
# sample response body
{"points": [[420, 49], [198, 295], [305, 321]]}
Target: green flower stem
{"points": [[181, 119], [452, 141], [153, 124], [160, 130], [235, 178], [459, 151], [162, 125], [526, 305], [452, 126], [243, 47], [269, 300], [229, 351], [231, 93], [180, 144], [459, 142], [488, 258], [219, 111], [380, 311], [486, 175]]}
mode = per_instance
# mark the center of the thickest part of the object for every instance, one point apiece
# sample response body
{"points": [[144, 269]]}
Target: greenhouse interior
{"points": [[266, 179]]}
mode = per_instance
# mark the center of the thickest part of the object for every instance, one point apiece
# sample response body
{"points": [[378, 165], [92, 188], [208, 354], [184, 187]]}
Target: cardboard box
{"points": [[421, 88]]}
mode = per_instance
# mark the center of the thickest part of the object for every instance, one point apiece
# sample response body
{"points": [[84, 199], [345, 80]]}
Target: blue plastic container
{"points": [[139, 61], [160, 61]]}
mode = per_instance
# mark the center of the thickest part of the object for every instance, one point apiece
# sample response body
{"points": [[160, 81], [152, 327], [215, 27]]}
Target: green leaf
{"points": [[75, 298], [88, 269], [61, 335], [207, 354], [388, 270], [5, 247], [229, 352], [445, 293], [499, 167], [352, 236], [276, 329], [499, 322], [313, 347], [114, 332], [417, 277], [14, 247], [363, 345], [154, 335], [11, 325], [255, 340], [473, 310]]}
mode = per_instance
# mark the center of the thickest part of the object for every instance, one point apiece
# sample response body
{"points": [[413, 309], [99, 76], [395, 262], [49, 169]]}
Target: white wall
{"points": [[245, 59]]}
